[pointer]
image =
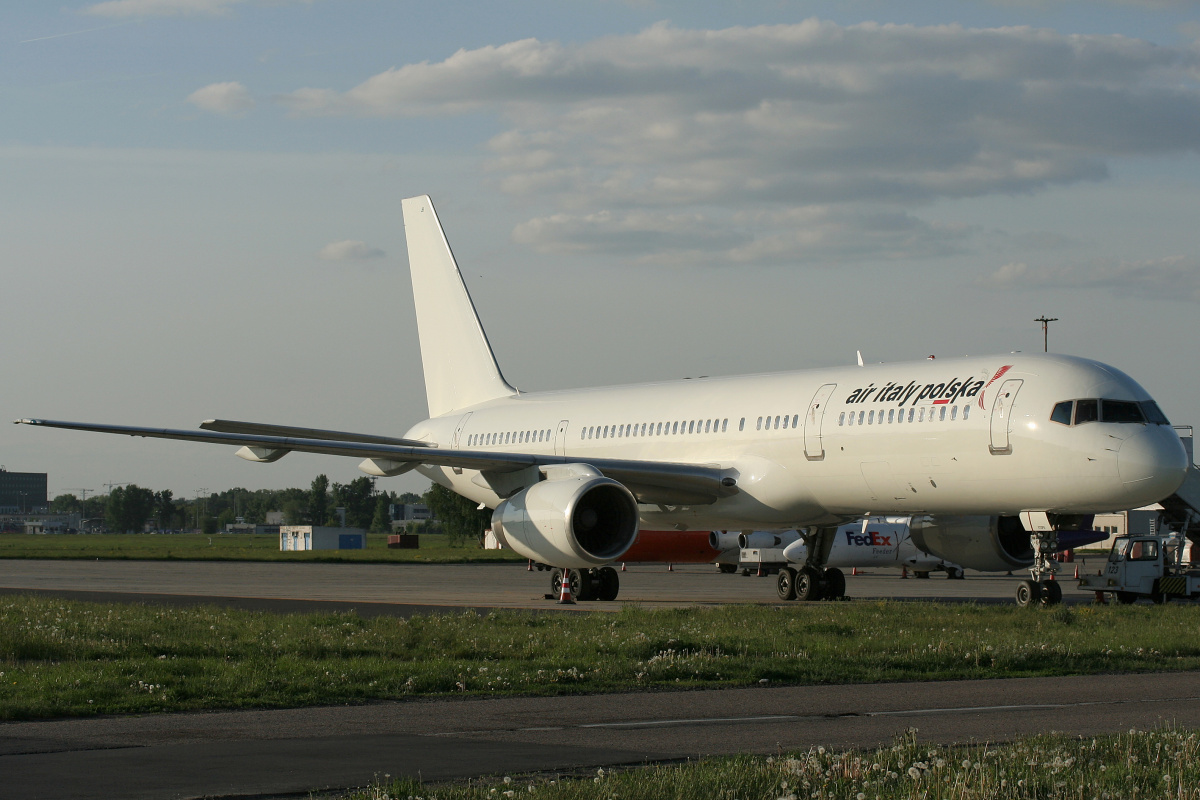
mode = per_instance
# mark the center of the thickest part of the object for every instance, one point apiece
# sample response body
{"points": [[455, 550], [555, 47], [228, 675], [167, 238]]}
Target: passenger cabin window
{"points": [[795, 420]]}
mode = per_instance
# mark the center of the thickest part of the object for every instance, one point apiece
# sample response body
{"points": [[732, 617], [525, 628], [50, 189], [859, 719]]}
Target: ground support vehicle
{"points": [[1146, 566]]}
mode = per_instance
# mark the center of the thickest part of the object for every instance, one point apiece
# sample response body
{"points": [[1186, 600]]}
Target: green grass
{"points": [[435, 548], [61, 658], [1163, 763]]}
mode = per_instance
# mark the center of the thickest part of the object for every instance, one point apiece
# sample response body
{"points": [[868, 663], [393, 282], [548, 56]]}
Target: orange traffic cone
{"points": [[530, 567], [1076, 572], [1051, 576], [622, 566], [854, 570], [670, 567], [904, 572], [564, 594]]}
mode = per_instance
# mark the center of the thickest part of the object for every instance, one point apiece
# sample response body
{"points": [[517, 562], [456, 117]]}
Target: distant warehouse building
{"points": [[315, 537], [23, 492]]}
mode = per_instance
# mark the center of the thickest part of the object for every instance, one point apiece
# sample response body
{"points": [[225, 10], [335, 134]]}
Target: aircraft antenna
{"points": [[1046, 331]]}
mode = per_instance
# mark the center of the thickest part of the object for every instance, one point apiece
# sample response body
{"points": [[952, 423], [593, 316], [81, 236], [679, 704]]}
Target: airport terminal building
{"points": [[23, 492]]}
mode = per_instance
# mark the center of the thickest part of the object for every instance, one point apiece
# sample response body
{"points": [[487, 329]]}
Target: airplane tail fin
{"points": [[460, 369]]}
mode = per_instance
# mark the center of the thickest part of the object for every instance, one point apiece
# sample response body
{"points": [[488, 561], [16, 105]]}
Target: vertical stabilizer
{"points": [[460, 369]]}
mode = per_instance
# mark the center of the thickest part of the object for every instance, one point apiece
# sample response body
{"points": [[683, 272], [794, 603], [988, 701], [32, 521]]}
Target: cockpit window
{"points": [[1120, 411], [1153, 415], [1087, 411]]}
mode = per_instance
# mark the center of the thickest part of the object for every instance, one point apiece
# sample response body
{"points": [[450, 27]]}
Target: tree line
{"points": [[131, 508]]}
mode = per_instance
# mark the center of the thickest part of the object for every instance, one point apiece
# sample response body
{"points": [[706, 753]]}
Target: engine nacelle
{"points": [[723, 540], [767, 539], [988, 544], [575, 522]]}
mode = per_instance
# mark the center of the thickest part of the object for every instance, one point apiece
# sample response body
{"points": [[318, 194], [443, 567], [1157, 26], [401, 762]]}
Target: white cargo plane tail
{"points": [[998, 453]]}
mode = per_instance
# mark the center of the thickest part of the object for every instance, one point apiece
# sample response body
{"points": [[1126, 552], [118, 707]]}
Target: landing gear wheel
{"points": [[727, 569], [589, 584], [923, 575], [808, 584], [954, 573], [785, 583], [610, 583], [578, 582], [835, 584], [1028, 593], [1051, 593], [1126, 598]]}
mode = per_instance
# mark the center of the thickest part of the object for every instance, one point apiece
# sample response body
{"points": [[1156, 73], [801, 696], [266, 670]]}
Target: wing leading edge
{"points": [[653, 482]]}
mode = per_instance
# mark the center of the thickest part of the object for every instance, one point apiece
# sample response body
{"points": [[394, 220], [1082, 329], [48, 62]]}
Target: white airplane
{"points": [[991, 450]]}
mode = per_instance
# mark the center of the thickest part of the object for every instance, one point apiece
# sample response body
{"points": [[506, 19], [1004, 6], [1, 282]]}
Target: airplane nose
{"points": [[1152, 462]]}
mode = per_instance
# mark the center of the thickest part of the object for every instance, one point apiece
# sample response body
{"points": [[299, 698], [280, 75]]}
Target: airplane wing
{"points": [[652, 482]]}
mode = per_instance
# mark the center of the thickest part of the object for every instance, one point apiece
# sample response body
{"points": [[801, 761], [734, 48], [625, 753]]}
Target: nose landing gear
{"points": [[1041, 587]]}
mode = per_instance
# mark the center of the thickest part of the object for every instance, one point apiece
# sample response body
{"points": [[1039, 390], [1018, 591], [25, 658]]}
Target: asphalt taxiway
{"points": [[411, 588], [295, 751]]}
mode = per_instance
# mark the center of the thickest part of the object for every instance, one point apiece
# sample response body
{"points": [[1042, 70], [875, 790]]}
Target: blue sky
{"points": [[200, 202]]}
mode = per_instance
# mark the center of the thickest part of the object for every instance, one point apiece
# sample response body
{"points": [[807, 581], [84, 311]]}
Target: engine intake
{"points": [[575, 522]]}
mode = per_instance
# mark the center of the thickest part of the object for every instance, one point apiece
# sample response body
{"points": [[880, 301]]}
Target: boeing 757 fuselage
{"points": [[984, 451]]}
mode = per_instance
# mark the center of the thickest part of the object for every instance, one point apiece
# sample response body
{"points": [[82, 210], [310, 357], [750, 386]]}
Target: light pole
{"points": [[1046, 331]]}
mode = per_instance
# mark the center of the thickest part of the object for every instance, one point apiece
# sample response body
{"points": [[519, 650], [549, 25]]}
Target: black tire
{"points": [[556, 584], [835, 584], [785, 583], [727, 569], [610, 584], [921, 574], [585, 584], [955, 573], [1028, 593], [808, 584], [1051, 593], [1126, 598]]}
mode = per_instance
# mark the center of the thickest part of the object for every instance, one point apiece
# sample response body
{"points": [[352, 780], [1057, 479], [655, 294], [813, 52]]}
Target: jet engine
{"points": [[576, 522], [767, 539], [988, 544]]}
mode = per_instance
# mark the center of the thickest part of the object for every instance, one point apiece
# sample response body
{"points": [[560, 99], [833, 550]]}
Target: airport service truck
{"points": [[1149, 566]]}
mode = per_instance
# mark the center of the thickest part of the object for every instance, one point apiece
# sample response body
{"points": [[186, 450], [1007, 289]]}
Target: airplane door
{"points": [[814, 450], [560, 438], [1001, 419], [462, 423]]}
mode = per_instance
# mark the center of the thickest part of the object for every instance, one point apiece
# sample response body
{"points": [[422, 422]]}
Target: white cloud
{"points": [[160, 8], [778, 119], [222, 98], [1174, 277], [349, 250]]}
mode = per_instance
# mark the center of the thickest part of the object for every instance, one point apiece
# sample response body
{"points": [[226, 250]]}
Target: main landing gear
{"points": [[813, 581], [1041, 586], [588, 584], [810, 583]]}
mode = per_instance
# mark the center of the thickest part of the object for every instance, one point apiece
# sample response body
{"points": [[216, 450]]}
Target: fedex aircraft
{"points": [[990, 453]]}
